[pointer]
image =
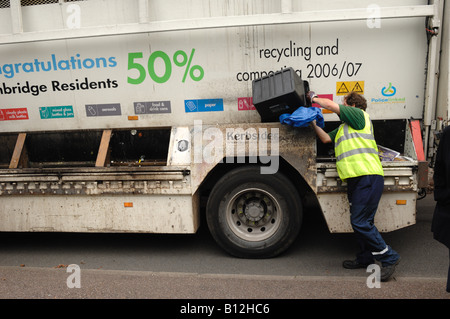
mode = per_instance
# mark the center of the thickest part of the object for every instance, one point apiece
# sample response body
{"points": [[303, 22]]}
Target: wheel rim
{"points": [[253, 214]]}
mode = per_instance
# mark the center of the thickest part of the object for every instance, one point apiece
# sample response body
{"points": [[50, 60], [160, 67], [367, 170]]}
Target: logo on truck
{"points": [[56, 112], [389, 91], [14, 114], [203, 105]]}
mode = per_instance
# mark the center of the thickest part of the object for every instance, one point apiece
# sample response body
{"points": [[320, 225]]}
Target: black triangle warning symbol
{"points": [[343, 88], [357, 88]]}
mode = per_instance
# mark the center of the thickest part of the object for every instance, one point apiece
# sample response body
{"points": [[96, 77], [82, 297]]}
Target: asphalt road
{"points": [[185, 267]]}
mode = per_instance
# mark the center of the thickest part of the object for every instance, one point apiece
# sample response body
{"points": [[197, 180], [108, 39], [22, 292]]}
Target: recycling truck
{"points": [[139, 116]]}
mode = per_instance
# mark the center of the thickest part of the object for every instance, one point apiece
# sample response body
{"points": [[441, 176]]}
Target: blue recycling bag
{"points": [[302, 116]]}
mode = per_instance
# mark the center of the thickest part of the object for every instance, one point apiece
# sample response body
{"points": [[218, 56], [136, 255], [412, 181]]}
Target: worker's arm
{"points": [[323, 136], [327, 104]]}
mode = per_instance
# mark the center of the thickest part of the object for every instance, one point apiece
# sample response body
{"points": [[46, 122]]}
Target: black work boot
{"points": [[388, 271], [353, 264]]}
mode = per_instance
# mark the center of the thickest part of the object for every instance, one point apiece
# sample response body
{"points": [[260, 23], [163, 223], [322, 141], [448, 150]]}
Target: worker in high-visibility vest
{"points": [[358, 164]]}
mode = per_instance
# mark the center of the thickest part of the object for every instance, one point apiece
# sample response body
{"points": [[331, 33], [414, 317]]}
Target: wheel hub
{"points": [[254, 214], [254, 211]]}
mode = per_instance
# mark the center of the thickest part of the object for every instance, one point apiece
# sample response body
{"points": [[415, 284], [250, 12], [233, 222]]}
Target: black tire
{"points": [[254, 215]]}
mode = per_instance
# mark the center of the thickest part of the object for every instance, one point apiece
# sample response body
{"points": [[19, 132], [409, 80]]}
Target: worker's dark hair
{"points": [[357, 100]]}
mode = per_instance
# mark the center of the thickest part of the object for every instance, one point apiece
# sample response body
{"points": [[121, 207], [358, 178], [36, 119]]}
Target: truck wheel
{"points": [[254, 215]]}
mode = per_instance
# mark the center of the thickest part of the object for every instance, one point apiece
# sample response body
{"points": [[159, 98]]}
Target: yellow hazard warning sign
{"points": [[345, 87]]}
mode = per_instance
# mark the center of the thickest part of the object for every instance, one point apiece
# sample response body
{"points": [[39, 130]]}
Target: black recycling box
{"points": [[279, 93]]}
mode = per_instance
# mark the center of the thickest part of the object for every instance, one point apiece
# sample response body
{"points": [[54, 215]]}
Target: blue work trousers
{"points": [[364, 194]]}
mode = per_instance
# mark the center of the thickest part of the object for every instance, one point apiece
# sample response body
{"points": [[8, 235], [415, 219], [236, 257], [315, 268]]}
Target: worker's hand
{"points": [[311, 95]]}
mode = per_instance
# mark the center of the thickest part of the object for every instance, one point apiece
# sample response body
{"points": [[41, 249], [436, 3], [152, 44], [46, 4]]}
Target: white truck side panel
{"points": [[172, 79], [390, 215], [200, 74], [108, 213], [396, 208]]}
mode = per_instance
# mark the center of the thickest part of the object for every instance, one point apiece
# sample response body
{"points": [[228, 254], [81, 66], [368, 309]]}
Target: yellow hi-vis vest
{"points": [[356, 151]]}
